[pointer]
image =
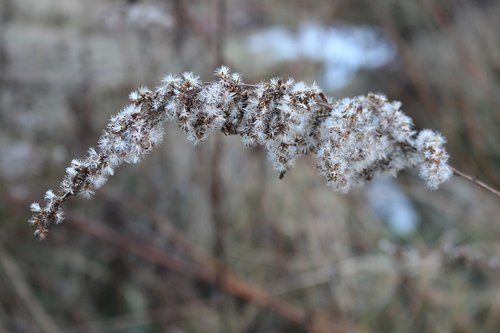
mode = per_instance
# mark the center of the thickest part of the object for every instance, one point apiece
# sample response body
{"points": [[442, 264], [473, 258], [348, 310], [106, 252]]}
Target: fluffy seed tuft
{"points": [[354, 139]]}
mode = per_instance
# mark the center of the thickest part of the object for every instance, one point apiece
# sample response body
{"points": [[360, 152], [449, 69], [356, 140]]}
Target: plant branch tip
{"points": [[354, 139]]}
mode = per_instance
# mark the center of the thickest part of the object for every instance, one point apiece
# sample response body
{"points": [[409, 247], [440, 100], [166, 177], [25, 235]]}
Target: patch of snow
{"points": [[391, 205], [344, 49]]}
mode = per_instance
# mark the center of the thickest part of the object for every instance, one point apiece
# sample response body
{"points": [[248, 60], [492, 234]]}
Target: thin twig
{"points": [[21, 287], [412, 68], [216, 188], [475, 181], [231, 283], [194, 254]]}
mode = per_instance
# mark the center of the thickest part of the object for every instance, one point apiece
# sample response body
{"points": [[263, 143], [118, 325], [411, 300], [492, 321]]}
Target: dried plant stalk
{"points": [[354, 139]]}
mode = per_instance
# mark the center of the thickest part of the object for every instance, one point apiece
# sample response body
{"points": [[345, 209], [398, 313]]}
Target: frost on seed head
{"points": [[433, 168], [354, 139]]}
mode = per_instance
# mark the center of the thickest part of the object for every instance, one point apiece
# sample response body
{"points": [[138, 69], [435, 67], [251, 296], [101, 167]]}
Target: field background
{"points": [[207, 238]]}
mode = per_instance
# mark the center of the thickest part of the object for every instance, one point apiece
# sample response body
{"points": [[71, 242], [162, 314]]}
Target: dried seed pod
{"points": [[353, 138]]}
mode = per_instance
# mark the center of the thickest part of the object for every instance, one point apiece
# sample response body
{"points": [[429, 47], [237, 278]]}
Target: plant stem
{"points": [[475, 181]]}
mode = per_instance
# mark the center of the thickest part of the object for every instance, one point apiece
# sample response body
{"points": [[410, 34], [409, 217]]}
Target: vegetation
{"points": [[207, 238]]}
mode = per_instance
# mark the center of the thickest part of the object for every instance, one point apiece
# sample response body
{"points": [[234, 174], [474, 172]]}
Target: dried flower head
{"points": [[354, 138]]}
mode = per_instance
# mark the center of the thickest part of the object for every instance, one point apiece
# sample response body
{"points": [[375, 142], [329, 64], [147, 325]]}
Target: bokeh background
{"points": [[207, 238]]}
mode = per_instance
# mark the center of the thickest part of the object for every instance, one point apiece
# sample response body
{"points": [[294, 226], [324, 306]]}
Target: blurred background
{"points": [[208, 239]]}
